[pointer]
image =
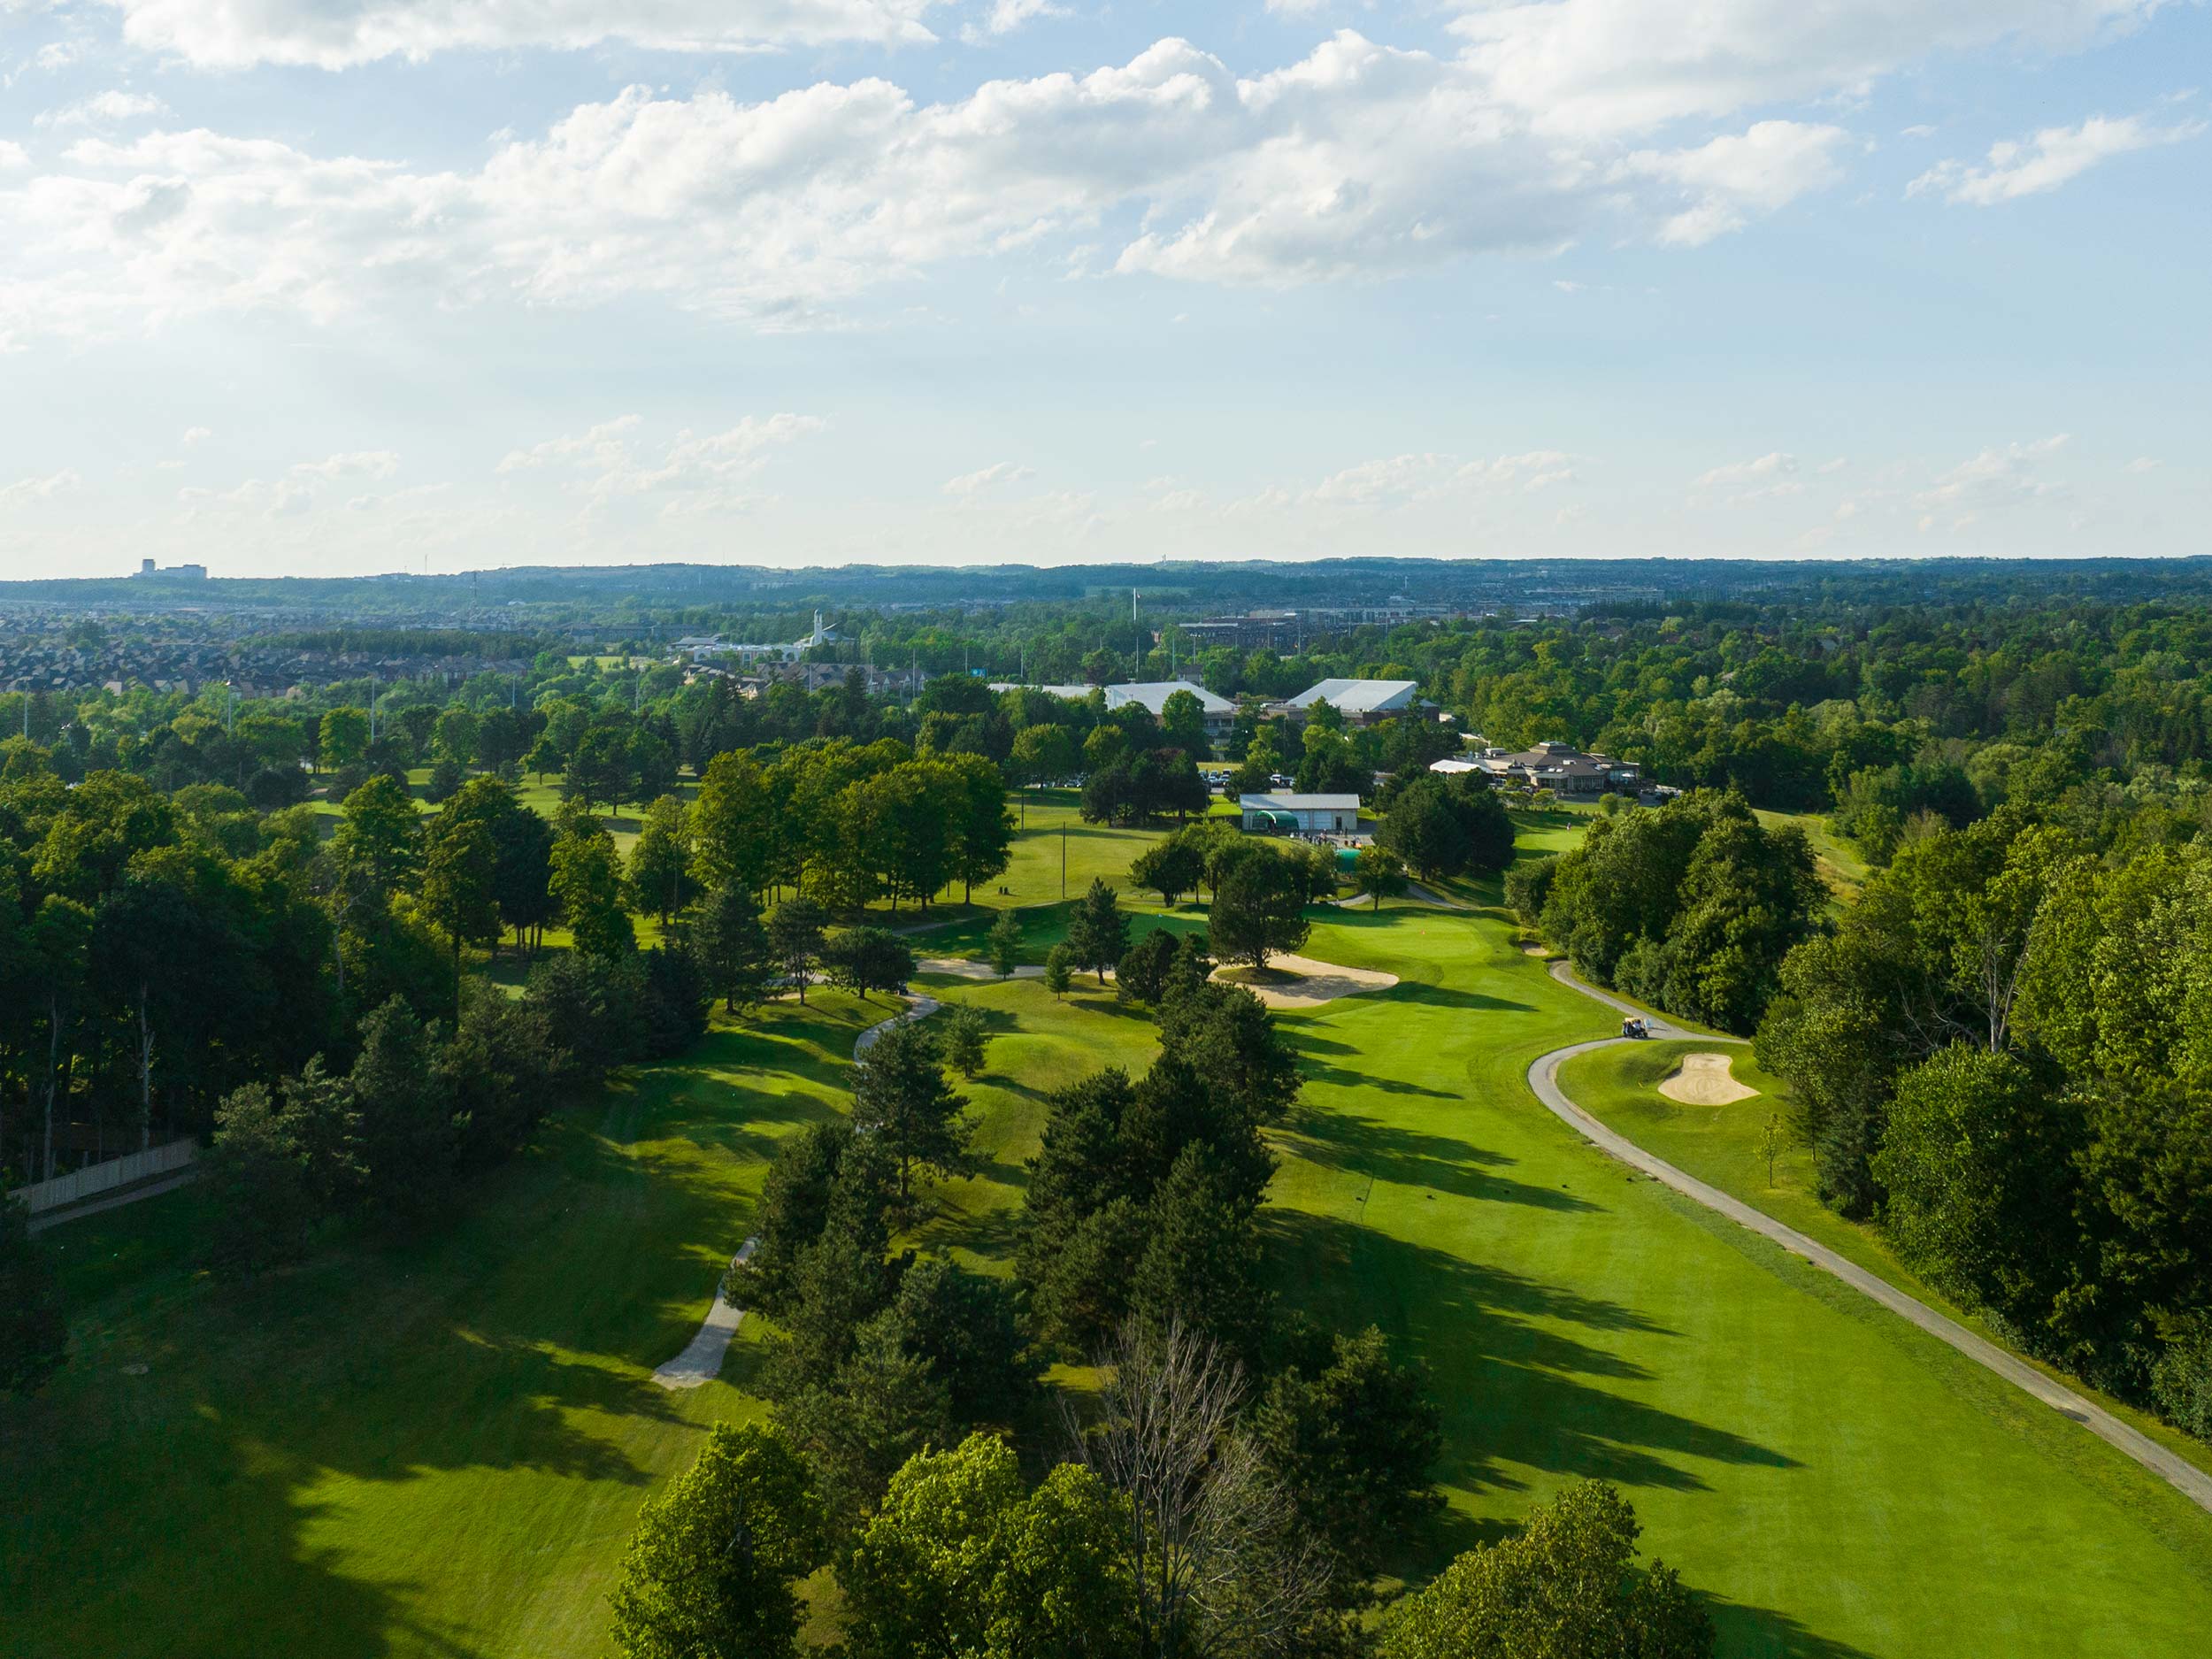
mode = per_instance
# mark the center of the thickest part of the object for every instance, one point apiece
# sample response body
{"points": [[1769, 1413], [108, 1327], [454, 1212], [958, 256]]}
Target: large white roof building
{"points": [[1360, 700]]}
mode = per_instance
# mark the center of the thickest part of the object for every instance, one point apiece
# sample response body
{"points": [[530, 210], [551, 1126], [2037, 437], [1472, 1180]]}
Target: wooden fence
{"points": [[95, 1178]]}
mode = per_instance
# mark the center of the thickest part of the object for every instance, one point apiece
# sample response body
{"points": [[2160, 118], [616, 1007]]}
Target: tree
{"points": [[1566, 1587], [1045, 754], [1211, 1539], [1201, 1264], [958, 1560], [1141, 974], [1976, 1162], [33, 1332], [733, 825], [865, 959], [1772, 1138], [659, 877], [965, 1039], [1005, 944], [1379, 872], [900, 1098], [794, 1207], [257, 1176], [1097, 932], [732, 947], [454, 737], [460, 886], [795, 939], [1352, 1437], [343, 740], [712, 1569], [407, 1133], [376, 846], [1259, 910], [1059, 970], [1183, 725], [587, 884], [983, 829], [1171, 867], [599, 768]]}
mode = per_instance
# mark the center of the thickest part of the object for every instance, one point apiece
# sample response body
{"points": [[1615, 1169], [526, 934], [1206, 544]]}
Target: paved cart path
{"points": [[1543, 1079]]}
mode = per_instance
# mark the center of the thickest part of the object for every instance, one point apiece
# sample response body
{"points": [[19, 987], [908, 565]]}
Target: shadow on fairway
{"points": [[1407, 1157], [1770, 1634], [1438, 996], [1508, 1379]]}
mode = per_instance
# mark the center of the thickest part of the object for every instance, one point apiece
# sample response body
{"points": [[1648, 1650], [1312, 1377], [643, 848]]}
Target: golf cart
{"points": [[1634, 1025]]}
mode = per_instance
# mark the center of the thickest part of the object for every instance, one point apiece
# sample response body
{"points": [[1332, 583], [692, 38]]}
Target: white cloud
{"points": [[694, 472], [338, 33], [1357, 162], [1624, 65], [2142, 463], [1409, 480], [195, 434], [1006, 16], [14, 156], [2053, 157], [1729, 177], [1739, 483], [25, 491], [986, 478], [1921, 131], [1994, 480], [302, 487], [105, 109]]}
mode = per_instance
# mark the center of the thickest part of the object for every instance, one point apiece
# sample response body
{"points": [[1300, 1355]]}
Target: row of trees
{"points": [[2001, 1052], [1692, 906]]}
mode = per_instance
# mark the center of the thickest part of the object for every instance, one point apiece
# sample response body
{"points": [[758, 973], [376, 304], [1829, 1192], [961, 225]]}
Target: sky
{"points": [[339, 286]]}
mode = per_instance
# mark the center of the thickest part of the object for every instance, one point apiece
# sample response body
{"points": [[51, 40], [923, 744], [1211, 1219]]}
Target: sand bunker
{"points": [[1316, 982], [1704, 1079]]}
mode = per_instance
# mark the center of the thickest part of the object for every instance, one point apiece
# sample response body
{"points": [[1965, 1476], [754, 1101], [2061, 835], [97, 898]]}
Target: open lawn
{"points": [[439, 1450]]}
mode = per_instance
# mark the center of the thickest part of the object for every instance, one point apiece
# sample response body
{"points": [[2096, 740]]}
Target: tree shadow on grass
{"points": [[1768, 1632], [1406, 1157], [1442, 996], [1510, 1382]]}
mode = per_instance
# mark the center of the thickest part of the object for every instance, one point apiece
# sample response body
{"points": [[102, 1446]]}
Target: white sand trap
{"points": [[968, 968], [1318, 982], [702, 1362], [1704, 1079]]}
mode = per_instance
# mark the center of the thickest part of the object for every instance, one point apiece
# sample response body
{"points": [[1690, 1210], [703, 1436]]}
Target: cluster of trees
{"points": [[1260, 889], [426, 1109], [1692, 906], [2000, 1052], [1446, 824]]}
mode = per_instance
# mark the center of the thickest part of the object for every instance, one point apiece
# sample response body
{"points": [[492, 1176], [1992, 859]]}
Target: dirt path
{"points": [[1543, 1079]]}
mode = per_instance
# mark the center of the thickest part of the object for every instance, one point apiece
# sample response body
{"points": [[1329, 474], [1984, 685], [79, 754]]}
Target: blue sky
{"points": [[341, 286]]}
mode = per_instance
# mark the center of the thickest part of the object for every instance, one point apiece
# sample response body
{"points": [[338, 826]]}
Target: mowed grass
{"points": [[440, 1451], [1724, 1146], [432, 1449], [1841, 865]]}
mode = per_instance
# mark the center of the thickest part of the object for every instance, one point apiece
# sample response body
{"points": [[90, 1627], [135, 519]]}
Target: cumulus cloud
{"points": [[1408, 479], [304, 486], [26, 491], [1006, 16], [2053, 157], [1359, 161], [986, 478], [1994, 480], [339, 34], [693, 472], [14, 156], [1738, 483], [1727, 179], [111, 108], [1624, 66], [195, 434]]}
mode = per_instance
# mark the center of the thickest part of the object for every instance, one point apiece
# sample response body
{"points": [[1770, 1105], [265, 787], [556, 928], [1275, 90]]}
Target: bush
{"points": [[446, 778]]}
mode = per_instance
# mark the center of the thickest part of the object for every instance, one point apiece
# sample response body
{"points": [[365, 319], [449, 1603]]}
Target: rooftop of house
{"points": [[1293, 801]]}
